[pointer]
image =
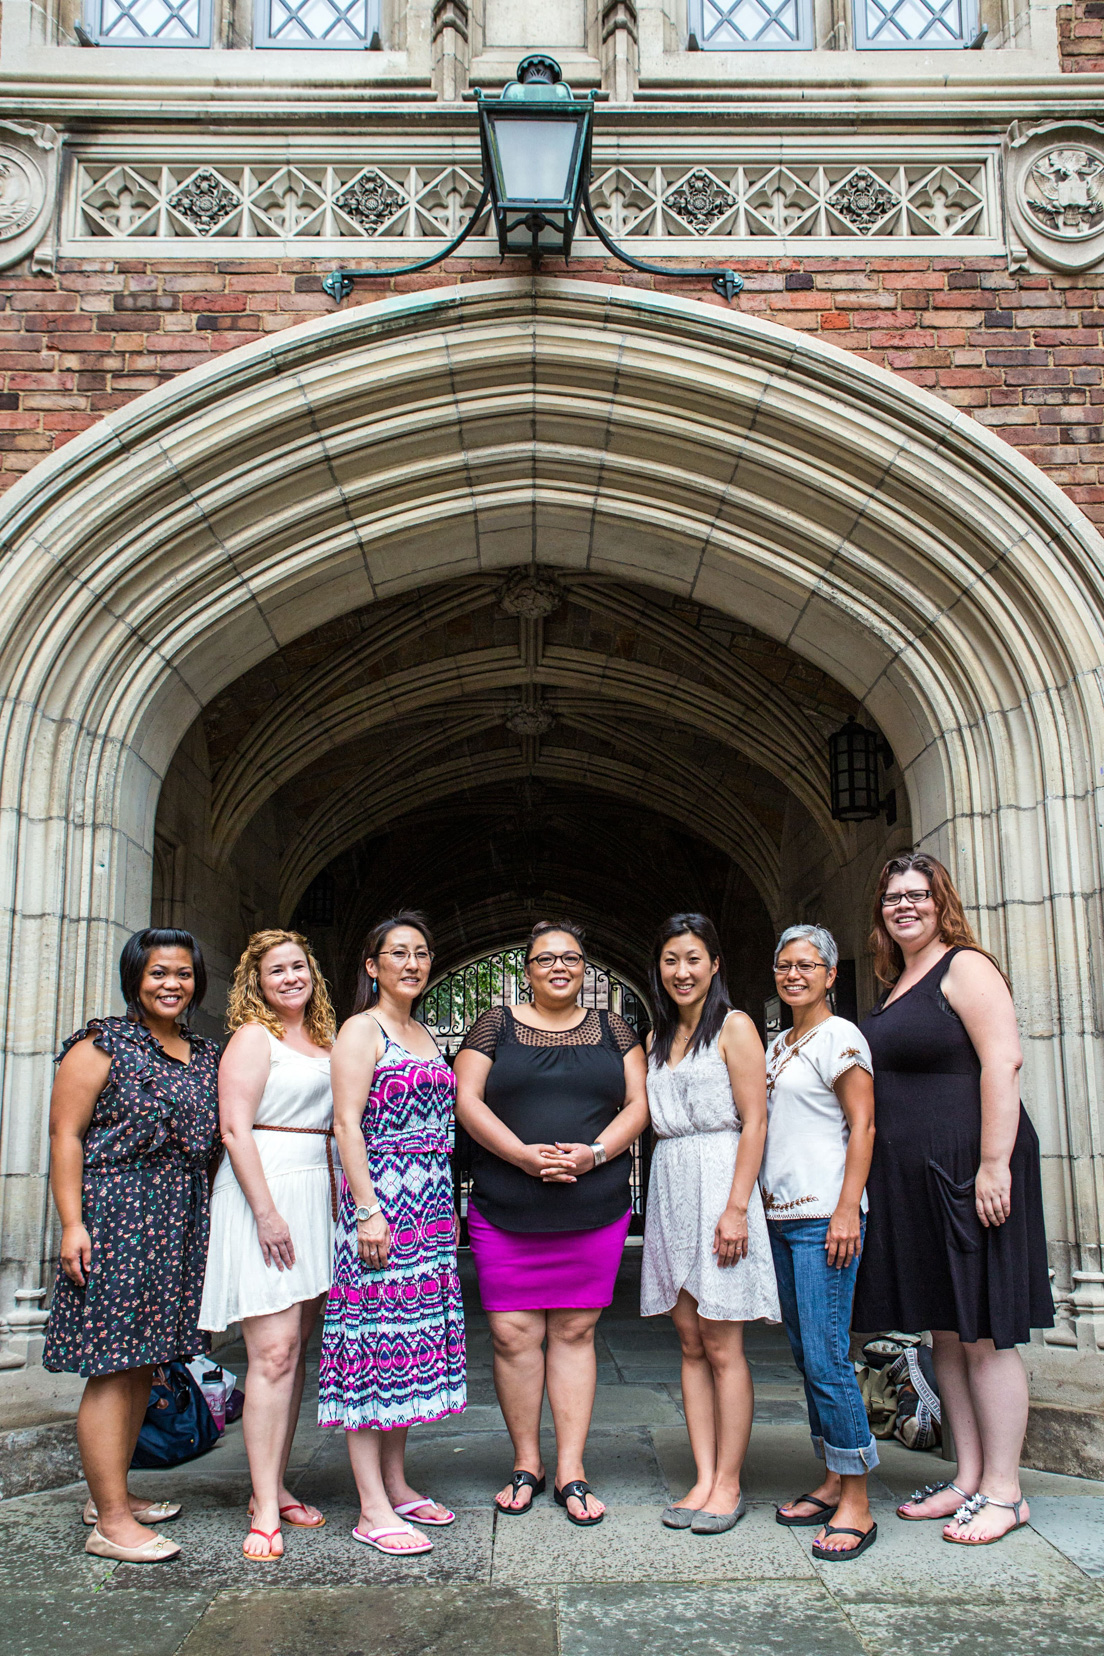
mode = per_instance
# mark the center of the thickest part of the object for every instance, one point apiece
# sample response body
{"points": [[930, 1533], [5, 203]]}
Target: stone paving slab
{"points": [[42, 1544], [912, 1563], [98, 1624], [213, 1557], [1028, 1627], [632, 1545], [1075, 1525], [742, 1619], [468, 1471], [378, 1621]]}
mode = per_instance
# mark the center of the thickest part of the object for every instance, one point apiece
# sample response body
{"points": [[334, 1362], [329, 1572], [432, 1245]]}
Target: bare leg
{"points": [[572, 1371], [734, 1406], [376, 1511], [273, 1345], [106, 1438], [399, 1491], [998, 1390], [853, 1512], [519, 1382], [308, 1316], [949, 1356], [699, 1401]]}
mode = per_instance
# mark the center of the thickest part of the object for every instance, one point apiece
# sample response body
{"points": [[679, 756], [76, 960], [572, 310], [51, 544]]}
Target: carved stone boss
{"points": [[29, 155], [1054, 184]]}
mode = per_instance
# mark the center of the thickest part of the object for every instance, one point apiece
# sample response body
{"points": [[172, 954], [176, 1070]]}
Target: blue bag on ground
{"points": [[178, 1424]]}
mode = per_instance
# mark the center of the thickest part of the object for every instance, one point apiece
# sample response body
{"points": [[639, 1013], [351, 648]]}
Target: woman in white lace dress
{"points": [[273, 1207], [707, 1256]]}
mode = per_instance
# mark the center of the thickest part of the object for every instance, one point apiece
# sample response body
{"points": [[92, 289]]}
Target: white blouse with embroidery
{"points": [[807, 1132]]}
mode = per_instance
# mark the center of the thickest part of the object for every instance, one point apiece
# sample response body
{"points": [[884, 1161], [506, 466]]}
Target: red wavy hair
{"points": [[954, 928]]}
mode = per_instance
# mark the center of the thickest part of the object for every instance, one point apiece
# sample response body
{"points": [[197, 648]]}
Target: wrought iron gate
{"points": [[453, 1003]]}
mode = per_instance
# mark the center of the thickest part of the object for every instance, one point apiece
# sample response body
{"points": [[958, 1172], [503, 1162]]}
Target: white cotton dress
{"points": [[698, 1133], [238, 1283]]}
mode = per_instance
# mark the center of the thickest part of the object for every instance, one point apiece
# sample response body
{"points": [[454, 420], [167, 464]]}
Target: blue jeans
{"points": [[816, 1309]]}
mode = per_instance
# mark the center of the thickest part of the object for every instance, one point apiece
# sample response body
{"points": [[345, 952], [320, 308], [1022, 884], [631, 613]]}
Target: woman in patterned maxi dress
{"points": [[393, 1345]]}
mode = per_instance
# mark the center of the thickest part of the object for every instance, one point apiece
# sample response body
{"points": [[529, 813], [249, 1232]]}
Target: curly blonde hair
{"points": [[248, 1005]]}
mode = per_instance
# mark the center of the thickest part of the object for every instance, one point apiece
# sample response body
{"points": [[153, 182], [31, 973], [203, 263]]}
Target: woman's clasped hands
{"points": [[557, 1163]]}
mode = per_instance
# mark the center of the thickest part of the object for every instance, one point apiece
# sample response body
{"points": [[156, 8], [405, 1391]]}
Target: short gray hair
{"points": [[819, 936]]}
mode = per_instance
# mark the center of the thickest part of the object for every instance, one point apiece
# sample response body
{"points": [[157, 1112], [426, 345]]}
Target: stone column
{"points": [[620, 49], [451, 48]]}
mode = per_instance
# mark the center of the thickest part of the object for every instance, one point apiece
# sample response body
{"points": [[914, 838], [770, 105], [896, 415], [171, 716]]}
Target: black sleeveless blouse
{"points": [[549, 1085]]}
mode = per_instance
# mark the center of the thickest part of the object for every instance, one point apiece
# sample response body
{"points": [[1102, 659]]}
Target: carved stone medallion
{"points": [[28, 189], [205, 200], [529, 721], [371, 200], [1054, 179], [700, 200], [530, 595], [863, 200]]}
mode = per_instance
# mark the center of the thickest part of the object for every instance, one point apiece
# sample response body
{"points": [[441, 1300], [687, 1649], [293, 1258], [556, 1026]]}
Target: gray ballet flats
{"points": [[715, 1523], [677, 1517]]}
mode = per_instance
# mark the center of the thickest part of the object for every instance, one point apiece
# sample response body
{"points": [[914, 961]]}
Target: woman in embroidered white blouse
{"points": [[820, 1137]]}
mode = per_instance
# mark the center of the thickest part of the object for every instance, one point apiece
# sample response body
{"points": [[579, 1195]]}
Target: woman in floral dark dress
{"points": [[133, 1124]]}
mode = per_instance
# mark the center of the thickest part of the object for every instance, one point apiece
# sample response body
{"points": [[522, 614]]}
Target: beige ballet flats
{"points": [[154, 1551], [161, 1512]]}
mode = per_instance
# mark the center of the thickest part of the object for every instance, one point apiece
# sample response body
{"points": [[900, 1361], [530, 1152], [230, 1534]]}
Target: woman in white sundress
{"points": [[273, 1206], [707, 1256]]}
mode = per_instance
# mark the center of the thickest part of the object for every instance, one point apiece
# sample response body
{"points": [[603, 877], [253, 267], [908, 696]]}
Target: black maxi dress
{"points": [[928, 1261]]}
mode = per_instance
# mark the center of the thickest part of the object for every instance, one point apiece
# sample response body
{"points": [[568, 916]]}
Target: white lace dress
{"points": [[238, 1283], [698, 1132]]}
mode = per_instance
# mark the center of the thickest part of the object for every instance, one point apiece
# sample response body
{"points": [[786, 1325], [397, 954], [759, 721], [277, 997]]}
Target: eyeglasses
{"points": [[571, 960], [805, 967], [892, 898], [422, 957]]}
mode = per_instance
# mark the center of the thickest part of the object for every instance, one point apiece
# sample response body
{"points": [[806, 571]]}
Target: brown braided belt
{"points": [[327, 1133]]}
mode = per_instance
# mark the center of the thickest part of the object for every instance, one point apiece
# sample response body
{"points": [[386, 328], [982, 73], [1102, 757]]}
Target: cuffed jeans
{"points": [[816, 1303]]}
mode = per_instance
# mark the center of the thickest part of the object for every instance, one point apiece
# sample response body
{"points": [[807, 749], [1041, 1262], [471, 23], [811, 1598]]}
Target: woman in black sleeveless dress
{"points": [[554, 1097], [955, 1241]]}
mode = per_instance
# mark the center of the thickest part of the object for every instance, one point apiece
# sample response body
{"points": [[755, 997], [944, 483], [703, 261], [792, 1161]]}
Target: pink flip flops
{"points": [[375, 1538]]}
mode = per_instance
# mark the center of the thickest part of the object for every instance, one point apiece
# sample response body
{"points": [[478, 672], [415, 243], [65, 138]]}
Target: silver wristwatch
{"points": [[599, 1151], [363, 1214]]}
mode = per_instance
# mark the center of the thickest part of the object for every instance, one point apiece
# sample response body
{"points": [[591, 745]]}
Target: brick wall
{"points": [[1081, 37], [1024, 354]]}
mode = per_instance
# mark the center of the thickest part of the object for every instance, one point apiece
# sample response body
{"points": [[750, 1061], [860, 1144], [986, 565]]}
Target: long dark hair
{"points": [[954, 928], [717, 1003], [367, 989], [132, 967]]}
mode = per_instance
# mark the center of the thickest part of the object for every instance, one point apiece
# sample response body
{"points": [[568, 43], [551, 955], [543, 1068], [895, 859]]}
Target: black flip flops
{"points": [[824, 1510], [830, 1556], [579, 1489], [523, 1480]]}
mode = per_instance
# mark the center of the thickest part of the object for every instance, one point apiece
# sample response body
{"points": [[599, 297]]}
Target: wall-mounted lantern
{"points": [[535, 142], [853, 753]]}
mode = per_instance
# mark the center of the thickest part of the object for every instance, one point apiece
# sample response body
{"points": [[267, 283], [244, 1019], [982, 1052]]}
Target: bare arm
{"points": [[81, 1078], [742, 1051], [243, 1073], [855, 1091], [540, 1161], [352, 1065], [979, 995]]}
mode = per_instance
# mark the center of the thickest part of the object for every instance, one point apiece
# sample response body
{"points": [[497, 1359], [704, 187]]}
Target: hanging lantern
{"points": [[853, 767]]}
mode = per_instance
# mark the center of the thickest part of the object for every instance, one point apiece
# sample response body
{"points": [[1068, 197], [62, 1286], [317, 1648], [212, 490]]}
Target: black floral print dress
{"points": [[144, 1205]]}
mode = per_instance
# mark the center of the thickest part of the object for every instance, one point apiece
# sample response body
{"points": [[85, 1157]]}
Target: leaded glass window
{"points": [[905, 24], [751, 25], [348, 25], [149, 22]]}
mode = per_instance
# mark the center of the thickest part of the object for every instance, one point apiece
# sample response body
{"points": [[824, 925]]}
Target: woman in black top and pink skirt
{"points": [[955, 1241], [554, 1096]]}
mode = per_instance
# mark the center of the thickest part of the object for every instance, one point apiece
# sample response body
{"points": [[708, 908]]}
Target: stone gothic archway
{"points": [[883, 537]]}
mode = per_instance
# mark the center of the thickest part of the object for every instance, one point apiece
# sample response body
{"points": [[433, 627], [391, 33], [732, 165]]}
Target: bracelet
{"points": [[599, 1152], [363, 1214]]}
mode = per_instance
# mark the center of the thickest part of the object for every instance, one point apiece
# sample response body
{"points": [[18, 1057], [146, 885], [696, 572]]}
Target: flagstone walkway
{"points": [[539, 1587]]}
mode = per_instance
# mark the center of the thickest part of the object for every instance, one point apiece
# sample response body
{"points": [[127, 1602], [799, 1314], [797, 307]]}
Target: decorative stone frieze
{"points": [[1054, 185], [656, 203], [28, 192]]}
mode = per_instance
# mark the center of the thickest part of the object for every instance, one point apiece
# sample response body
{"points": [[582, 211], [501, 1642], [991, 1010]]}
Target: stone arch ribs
{"points": [[887, 538]]}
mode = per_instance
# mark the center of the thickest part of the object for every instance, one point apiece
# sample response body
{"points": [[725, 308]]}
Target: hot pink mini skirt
{"points": [[546, 1270]]}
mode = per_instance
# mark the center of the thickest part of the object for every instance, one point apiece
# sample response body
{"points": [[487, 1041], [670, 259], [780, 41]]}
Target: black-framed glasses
{"points": [[892, 898], [571, 960]]}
